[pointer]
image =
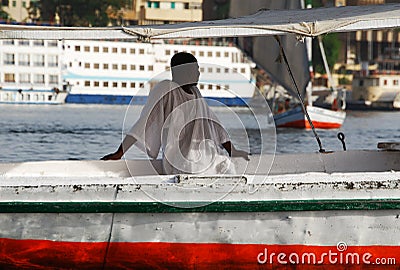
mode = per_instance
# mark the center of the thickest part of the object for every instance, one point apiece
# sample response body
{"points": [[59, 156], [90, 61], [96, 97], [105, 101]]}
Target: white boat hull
{"points": [[94, 214], [321, 118]]}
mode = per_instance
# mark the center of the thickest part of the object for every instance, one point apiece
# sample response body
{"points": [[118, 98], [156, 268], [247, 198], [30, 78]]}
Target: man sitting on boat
{"points": [[177, 119]]}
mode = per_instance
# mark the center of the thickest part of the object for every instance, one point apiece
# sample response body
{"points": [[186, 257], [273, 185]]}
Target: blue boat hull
{"points": [[141, 100]]}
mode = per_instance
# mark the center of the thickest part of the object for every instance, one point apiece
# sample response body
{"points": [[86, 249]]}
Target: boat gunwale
{"points": [[199, 206]]}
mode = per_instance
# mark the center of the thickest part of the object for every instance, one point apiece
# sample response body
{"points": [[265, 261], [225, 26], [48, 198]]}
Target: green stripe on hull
{"points": [[181, 207]]}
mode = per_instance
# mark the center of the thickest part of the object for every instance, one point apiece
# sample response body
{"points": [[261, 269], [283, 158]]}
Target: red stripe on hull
{"points": [[305, 124], [44, 254]]}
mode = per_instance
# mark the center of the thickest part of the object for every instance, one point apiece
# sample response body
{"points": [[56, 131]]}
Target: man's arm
{"points": [[233, 152], [125, 145]]}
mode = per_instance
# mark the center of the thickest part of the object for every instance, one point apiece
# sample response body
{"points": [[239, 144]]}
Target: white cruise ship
{"points": [[117, 72], [30, 72]]}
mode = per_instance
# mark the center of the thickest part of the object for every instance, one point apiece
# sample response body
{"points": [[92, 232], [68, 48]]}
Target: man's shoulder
{"points": [[164, 87]]}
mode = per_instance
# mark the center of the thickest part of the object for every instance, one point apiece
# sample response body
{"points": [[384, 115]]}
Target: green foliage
{"points": [[332, 46], [79, 12], [344, 81], [3, 15]]}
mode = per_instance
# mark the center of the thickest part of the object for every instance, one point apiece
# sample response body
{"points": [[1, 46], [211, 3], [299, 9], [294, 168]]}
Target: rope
{"points": [[282, 53]]}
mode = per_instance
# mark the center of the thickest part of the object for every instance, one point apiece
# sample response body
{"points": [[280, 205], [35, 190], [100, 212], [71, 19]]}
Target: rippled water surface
{"points": [[87, 132]]}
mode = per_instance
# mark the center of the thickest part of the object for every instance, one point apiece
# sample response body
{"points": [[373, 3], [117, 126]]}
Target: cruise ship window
{"points": [[242, 70], [226, 70], [53, 79], [52, 60], [96, 65], [218, 70], [123, 85], [115, 84], [132, 51], [38, 43], [114, 50], [24, 78], [218, 87], [9, 77], [201, 70], [77, 48], [133, 85], [141, 51], [395, 82], [96, 49], [201, 86], [226, 54], [115, 66], [96, 84], [105, 66], [123, 67], [8, 42], [51, 43], [86, 49], [168, 52], [123, 50], [210, 87], [209, 54], [226, 86], [234, 70], [105, 49], [87, 65], [9, 59], [209, 70], [218, 54], [80, 64], [38, 60], [385, 82], [201, 53], [38, 78], [141, 67], [87, 83], [150, 68], [24, 43], [105, 84], [141, 85], [23, 59], [133, 67]]}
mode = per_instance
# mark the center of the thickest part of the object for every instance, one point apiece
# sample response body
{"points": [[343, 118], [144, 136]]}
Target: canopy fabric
{"points": [[303, 22], [10, 31]]}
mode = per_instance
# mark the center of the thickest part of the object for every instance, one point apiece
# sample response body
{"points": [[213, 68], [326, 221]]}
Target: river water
{"points": [[88, 132]]}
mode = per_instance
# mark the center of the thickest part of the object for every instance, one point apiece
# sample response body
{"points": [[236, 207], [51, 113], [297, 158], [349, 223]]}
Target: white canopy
{"points": [[303, 22]]}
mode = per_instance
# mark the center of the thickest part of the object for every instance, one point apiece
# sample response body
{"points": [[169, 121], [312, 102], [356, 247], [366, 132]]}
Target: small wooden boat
{"points": [[321, 118], [322, 210]]}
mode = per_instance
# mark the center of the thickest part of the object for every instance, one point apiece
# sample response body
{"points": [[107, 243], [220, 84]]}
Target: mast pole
{"points": [[310, 65]]}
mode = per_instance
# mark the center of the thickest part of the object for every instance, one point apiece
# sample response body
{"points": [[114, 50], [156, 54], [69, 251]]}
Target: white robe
{"points": [[188, 132]]}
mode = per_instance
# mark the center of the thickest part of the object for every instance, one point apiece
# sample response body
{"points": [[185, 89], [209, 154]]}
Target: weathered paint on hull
{"points": [[93, 215], [45, 254]]}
